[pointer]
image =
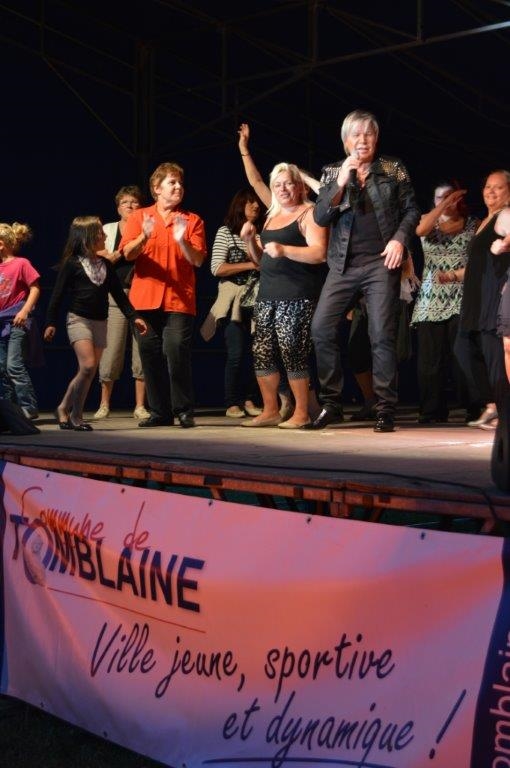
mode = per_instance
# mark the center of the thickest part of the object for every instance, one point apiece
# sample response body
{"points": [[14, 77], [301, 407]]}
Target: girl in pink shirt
{"points": [[19, 292]]}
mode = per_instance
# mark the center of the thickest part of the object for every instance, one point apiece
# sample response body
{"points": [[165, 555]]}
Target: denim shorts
{"points": [[80, 328]]}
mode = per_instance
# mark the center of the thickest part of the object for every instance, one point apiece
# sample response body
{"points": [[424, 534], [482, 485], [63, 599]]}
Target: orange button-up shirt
{"points": [[163, 278]]}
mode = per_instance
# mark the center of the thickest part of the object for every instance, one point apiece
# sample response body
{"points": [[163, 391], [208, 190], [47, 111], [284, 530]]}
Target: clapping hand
{"points": [[148, 225], [179, 227]]}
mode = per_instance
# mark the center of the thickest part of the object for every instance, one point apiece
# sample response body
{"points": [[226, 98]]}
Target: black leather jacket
{"points": [[389, 188]]}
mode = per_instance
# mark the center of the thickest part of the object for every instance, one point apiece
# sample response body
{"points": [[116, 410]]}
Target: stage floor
{"points": [[449, 463]]}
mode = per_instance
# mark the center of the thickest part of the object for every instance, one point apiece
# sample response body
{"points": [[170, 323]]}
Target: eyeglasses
{"points": [[132, 203]]}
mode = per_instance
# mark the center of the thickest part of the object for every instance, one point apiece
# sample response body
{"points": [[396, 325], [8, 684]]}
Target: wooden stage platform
{"points": [[419, 475]]}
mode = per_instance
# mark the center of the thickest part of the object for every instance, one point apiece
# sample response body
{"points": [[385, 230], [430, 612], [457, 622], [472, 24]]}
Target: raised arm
{"points": [[310, 181], [255, 180], [429, 220]]}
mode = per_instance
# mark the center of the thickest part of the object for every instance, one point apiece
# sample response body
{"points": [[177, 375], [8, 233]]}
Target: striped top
{"points": [[229, 248]]}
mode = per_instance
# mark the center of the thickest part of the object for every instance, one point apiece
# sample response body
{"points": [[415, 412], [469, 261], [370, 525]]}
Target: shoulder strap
{"points": [[303, 214]]}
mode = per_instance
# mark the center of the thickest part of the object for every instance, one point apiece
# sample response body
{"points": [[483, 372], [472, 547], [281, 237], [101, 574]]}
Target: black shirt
{"points": [[366, 243], [83, 297]]}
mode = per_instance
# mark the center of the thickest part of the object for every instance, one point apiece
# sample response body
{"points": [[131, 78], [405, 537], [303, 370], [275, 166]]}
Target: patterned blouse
{"points": [[440, 301]]}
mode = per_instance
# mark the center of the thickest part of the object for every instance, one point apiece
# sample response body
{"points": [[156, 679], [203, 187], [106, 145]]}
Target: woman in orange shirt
{"points": [[166, 242]]}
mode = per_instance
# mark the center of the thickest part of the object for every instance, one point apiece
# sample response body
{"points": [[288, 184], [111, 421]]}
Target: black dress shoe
{"points": [[385, 423], [186, 419], [79, 427], [324, 418], [155, 421]]}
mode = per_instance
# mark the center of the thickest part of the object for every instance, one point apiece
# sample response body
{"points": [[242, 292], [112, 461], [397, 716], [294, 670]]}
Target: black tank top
{"points": [[282, 279], [483, 280]]}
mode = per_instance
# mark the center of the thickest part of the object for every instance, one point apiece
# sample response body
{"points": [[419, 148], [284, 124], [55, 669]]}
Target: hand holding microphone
{"points": [[353, 187], [348, 172], [353, 175], [352, 184]]}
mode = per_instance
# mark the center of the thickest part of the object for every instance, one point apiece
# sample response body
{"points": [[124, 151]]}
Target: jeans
{"points": [[240, 381], [16, 383], [381, 288], [165, 351]]}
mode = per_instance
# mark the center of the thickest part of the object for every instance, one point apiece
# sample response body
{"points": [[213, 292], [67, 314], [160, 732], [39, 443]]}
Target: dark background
{"points": [[94, 96]]}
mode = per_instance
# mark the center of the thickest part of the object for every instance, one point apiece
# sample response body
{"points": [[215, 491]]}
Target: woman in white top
{"points": [[127, 199]]}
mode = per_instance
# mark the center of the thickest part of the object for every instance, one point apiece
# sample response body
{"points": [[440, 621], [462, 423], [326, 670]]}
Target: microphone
{"points": [[353, 179], [353, 188]]}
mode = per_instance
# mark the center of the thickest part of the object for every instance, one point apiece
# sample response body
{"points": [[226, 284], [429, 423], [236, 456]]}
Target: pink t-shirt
{"points": [[16, 277]]}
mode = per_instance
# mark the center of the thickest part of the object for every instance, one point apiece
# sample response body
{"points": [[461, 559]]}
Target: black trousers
{"points": [[381, 289], [437, 365], [240, 381], [165, 352], [481, 357]]}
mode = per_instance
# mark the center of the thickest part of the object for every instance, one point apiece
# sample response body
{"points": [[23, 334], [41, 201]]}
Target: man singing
{"points": [[369, 205]]}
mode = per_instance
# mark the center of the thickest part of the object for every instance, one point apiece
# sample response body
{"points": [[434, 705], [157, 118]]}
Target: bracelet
{"points": [[247, 154]]}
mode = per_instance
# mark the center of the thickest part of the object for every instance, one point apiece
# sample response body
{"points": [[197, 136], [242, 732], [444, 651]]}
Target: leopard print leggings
{"points": [[282, 335]]}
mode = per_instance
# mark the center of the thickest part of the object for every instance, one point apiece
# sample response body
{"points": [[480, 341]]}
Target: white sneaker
{"points": [[102, 412], [141, 412]]}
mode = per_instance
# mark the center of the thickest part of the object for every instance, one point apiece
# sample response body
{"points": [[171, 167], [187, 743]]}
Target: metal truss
{"points": [[178, 76]]}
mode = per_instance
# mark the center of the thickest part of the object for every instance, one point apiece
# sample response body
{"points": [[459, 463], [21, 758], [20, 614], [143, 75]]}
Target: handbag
{"points": [[251, 291]]}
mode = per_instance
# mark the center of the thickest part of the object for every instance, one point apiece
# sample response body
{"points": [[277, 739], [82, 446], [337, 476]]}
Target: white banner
{"points": [[200, 632]]}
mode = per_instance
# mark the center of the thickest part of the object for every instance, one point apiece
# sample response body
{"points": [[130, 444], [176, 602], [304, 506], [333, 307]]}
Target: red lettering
{"points": [[134, 540]]}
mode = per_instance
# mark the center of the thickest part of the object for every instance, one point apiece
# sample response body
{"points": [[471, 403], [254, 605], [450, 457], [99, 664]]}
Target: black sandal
{"points": [[63, 424]]}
